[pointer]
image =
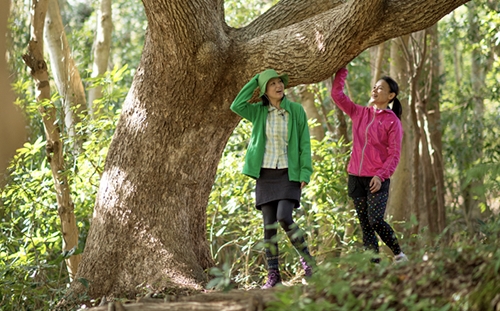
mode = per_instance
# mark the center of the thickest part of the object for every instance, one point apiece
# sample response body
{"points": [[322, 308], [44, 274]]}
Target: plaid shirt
{"points": [[275, 154]]}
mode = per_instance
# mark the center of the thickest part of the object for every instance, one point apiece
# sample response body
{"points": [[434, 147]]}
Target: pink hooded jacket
{"points": [[377, 135]]}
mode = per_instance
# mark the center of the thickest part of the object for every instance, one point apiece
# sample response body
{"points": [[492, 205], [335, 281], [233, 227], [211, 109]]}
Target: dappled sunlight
{"points": [[115, 196], [300, 37], [135, 115], [114, 188], [143, 225], [320, 41]]}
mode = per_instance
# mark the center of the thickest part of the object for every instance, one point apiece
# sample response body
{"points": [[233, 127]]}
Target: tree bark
{"points": [[102, 47], [435, 128], [472, 190], [428, 208], [54, 145], [427, 204], [415, 60], [457, 61], [401, 189], [433, 131], [149, 221], [341, 129], [66, 75], [376, 61], [307, 100], [342, 132], [12, 127]]}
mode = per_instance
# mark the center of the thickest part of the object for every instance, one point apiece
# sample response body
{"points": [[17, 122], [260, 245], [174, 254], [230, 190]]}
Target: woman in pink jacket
{"points": [[377, 134]]}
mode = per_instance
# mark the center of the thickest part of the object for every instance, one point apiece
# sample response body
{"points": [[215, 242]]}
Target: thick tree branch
{"points": [[284, 14], [406, 16], [313, 49]]}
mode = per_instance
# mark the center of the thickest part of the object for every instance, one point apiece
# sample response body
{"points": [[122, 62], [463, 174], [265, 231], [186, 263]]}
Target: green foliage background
{"points": [[33, 275]]}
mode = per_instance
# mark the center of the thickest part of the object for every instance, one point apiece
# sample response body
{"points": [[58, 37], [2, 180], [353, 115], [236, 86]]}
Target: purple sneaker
{"points": [[273, 279], [306, 266]]}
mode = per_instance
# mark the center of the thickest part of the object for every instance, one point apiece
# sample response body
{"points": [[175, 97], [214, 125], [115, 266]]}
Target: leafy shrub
{"points": [[32, 267], [463, 275]]}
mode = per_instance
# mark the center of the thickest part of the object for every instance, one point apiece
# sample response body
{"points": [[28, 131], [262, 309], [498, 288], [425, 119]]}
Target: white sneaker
{"points": [[400, 257]]}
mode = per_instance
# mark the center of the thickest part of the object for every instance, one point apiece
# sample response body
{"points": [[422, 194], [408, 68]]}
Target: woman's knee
{"points": [[375, 222], [286, 223]]}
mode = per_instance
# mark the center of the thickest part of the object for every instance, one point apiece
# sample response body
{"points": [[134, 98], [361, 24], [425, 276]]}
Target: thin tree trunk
{"points": [[66, 75], [102, 46], [307, 101], [415, 60], [54, 145], [428, 208], [457, 61], [473, 197], [400, 202], [415, 153], [427, 204], [376, 61], [317, 132], [434, 122], [342, 132], [327, 108]]}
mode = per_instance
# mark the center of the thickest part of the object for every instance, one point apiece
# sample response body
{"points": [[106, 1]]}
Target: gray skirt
{"points": [[274, 185]]}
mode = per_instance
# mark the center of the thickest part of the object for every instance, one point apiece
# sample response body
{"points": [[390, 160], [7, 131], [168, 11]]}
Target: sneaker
{"points": [[306, 266], [273, 279], [400, 257]]}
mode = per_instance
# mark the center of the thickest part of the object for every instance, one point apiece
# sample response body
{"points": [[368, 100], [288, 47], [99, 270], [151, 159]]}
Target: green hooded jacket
{"points": [[299, 143]]}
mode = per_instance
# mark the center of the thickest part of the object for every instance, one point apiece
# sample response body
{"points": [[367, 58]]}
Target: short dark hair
{"points": [[265, 100]]}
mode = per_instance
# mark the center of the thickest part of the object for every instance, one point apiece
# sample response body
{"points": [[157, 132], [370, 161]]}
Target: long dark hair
{"points": [[394, 88]]}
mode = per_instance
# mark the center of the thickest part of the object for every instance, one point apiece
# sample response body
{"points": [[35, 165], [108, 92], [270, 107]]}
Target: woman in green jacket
{"points": [[279, 158]]}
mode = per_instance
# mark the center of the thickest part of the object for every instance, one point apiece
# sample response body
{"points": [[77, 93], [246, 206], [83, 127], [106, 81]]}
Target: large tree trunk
{"points": [[150, 216], [54, 145], [102, 46], [66, 75]]}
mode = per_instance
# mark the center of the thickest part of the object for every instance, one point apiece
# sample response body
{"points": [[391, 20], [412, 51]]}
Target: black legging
{"points": [[277, 211], [370, 211], [281, 211]]}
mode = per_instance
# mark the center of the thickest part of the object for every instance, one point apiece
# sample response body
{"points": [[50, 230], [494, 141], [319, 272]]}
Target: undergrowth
{"points": [[462, 275]]}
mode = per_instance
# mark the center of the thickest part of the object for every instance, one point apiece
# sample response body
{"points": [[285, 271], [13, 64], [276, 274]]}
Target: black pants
{"points": [[281, 212], [370, 209]]}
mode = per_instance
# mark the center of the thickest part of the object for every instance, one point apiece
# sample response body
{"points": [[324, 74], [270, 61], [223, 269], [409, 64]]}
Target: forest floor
{"points": [[461, 279]]}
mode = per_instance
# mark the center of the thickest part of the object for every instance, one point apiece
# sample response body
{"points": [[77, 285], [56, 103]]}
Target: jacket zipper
{"points": [[366, 143]]}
